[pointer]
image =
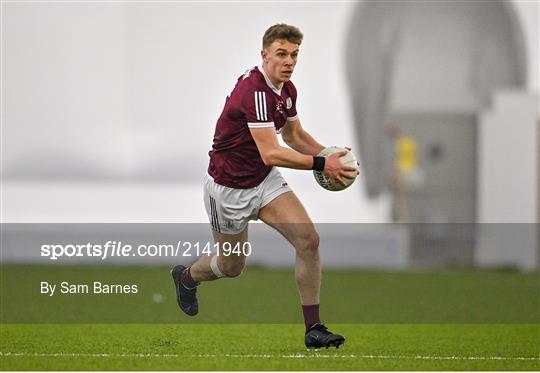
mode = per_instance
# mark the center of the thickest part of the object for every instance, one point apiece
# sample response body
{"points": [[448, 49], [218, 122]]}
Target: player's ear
{"points": [[264, 54]]}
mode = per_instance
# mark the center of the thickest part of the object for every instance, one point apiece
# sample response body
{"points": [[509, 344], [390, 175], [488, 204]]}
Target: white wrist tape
{"points": [[215, 268]]}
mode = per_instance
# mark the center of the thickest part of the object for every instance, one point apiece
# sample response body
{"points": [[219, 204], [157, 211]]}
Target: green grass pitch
{"points": [[267, 347], [433, 320]]}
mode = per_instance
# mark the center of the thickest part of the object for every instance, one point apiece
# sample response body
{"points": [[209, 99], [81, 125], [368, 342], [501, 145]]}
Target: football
{"points": [[333, 185]]}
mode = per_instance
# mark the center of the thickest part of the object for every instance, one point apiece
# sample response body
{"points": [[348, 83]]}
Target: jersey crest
{"points": [[289, 103]]}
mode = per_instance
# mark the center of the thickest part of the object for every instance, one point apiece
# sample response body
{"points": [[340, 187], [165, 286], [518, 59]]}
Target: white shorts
{"points": [[230, 210]]}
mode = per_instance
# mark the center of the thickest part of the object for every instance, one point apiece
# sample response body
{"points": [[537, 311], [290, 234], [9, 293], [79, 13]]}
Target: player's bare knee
{"points": [[232, 269], [308, 242]]}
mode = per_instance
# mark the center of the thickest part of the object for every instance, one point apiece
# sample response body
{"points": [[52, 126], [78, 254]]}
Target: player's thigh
{"points": [[231, 241], [287, 215]]}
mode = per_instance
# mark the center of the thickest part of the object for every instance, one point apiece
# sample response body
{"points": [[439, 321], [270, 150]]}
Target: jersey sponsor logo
{"points": [[289, 103], [260, 105]]}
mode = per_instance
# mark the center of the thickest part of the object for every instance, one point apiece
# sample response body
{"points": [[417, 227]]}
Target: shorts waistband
{"points": [[274, 169]]}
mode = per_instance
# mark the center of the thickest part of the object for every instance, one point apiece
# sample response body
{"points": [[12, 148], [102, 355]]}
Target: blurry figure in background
{"points": [[407, 173], [243, 182]]}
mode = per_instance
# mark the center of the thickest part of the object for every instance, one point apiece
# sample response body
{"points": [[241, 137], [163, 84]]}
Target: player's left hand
{"points": [[335, 170]]}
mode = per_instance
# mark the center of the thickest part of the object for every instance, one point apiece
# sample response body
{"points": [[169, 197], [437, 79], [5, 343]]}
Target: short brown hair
{"points": [[282, 31]]}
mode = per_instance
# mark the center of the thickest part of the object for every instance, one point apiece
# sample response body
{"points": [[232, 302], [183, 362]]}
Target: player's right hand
{"points": [[335, 170]]}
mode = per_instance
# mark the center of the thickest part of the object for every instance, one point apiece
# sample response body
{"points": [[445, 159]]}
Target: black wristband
{"points": [[318, 163]]}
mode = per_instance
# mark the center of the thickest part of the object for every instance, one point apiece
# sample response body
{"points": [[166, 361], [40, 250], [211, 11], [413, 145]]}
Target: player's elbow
{"points": [[270, 157], [288, 137], [291, 143], [291, 138], [268, 161]]}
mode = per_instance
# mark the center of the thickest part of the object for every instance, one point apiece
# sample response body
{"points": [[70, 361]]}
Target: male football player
{"points": [[243, 182]]}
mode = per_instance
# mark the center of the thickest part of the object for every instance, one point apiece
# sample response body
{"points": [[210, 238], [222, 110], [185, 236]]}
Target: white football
{"points": [[333, 185]]}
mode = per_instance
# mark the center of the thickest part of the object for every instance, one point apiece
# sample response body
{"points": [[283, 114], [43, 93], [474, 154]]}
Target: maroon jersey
{"points": [[235, 161]]}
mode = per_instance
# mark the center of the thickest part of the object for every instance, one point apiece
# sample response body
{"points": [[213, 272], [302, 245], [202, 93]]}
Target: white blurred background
{"points": [[110, 108]]}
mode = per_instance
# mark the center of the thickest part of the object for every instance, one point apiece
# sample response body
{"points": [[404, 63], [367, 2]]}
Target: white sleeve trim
{"points": [[291, 119], [260, 124]]}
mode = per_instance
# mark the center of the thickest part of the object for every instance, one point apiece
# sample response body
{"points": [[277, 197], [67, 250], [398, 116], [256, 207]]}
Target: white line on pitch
{"points": [[416, 357], [267, 356]]}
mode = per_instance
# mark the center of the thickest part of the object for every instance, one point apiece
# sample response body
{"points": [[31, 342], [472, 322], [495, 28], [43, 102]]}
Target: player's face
{"points": [[279, 60]]}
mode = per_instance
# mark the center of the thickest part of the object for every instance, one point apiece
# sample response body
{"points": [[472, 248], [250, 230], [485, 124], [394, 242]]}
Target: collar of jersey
{"points": [[268, 82]]}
